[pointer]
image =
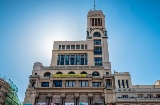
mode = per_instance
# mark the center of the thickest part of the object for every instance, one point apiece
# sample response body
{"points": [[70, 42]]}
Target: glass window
{"points": [[83, 72], [96, 84], [85, 46], [45, 84], [109, 83], [124, 96], [127, 83], [63, 47], [59, 47], [62, 59], [82, 59], [58, 60], [119, 84], [97, 42], [72, 46], [70, 84], [83, 83], [57, 83], [98, 61], [123, 83], [71, 72], [47, 74], [77, 46], [59, 72], [98, 50], [72, 59], [97, 34], [68, 47], [67, 60], [86, 59], [95, 74], [82, 46]]}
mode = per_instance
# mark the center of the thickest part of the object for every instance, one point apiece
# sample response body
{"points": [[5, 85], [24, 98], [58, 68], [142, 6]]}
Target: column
{"points": [[77, 83], [63, 83]]}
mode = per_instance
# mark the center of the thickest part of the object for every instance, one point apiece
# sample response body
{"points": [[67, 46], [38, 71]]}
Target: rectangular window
{"points": [[77, 46], [92, 22], [67, 60], [62, 59], [109, 83], [124, 96], [78, 59], [82, 59], [96, 84], [119, 84], [83, 83], [127, 83], [70, 84], [86, 59], [140, 95], [82, 46], [123, 84], [85, 46], [97, 50], [59, 47], [97, 42], [98, 61], [68, 47], [58, 60], [45, 84], [63, 47], [72, 46], [57, 83], [72, 57]]}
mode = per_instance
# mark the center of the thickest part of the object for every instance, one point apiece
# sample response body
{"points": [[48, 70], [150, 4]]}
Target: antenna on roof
{"points": [[94, 5]]}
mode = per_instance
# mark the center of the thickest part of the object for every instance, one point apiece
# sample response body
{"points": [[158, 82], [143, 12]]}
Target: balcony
{"points": [[109, 87], [133, 99], [70, 67]]}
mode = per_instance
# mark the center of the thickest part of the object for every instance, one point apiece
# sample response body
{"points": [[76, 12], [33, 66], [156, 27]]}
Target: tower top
{"points": [[94, 5]]}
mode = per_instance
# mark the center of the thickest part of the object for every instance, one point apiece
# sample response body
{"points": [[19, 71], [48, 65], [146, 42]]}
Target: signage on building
{"points": [[69, 75], [69, 103]]}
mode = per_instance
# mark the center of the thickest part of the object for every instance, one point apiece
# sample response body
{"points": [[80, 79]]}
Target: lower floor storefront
{"points": [[70, 99]]}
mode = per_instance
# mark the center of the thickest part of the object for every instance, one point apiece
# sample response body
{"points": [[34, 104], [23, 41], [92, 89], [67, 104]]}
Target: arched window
{"points": [[47, 74], [83, 72], [97, 34], [71, 72], [59, 72], [95, 74]]}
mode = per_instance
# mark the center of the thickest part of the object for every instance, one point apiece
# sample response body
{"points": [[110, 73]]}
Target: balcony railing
{"points": [[134, 99], [70, 67]]}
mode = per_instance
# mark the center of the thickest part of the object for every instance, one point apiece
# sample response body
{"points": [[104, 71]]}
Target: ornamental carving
{"points": [[56, 99], [97, 98], [42, 98], [83, 98], [69, 98]]}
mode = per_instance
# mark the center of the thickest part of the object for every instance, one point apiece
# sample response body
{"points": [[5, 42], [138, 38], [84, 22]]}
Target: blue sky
{"points": [[29, 27]]}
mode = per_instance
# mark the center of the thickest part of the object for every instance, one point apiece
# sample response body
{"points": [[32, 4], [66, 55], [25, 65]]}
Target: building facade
{"points": [[80, 74], [75, 75]]}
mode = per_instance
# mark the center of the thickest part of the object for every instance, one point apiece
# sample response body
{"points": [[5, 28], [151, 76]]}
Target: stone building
{"points": [[128, 94], [75, 75], [80, 74]]}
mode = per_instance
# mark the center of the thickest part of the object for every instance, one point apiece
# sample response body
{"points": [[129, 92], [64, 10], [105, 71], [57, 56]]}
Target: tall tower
{"points": [[96, 31]]}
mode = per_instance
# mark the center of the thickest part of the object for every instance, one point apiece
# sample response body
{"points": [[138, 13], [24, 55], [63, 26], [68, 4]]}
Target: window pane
{"points": [[68, 47], [97, 42], [97, 50], [98, 61]]}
